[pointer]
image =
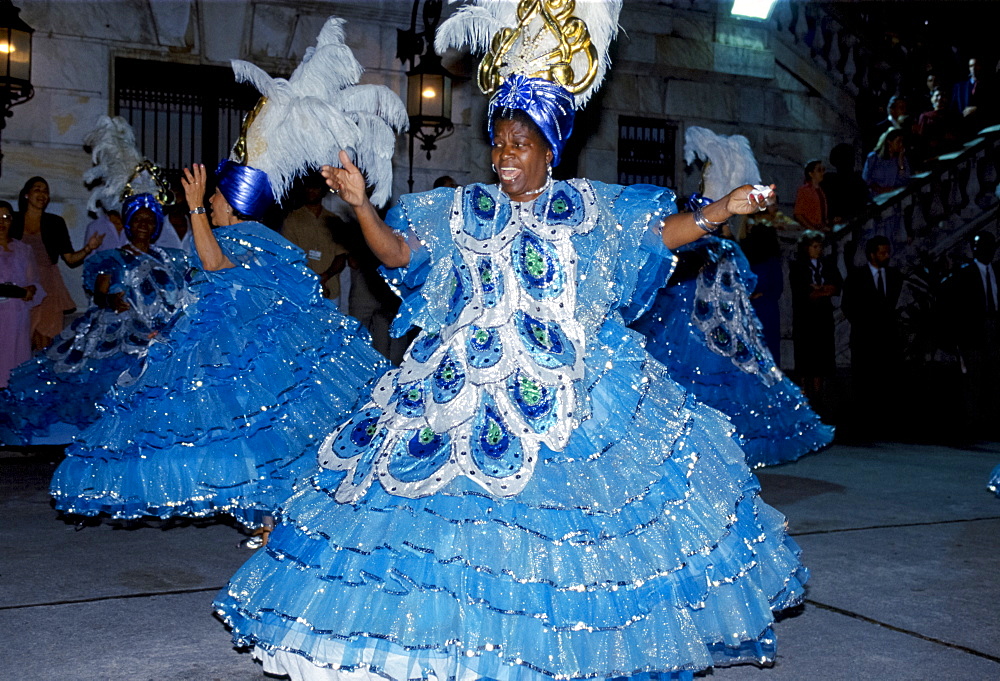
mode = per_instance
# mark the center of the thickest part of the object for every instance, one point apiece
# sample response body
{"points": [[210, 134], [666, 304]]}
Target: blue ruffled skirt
{"points": [[773, 418], [226, 415], [641, 548], [55, 393]]}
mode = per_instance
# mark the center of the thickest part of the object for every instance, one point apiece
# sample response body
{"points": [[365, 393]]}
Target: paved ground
{"points": [[903, 542]]}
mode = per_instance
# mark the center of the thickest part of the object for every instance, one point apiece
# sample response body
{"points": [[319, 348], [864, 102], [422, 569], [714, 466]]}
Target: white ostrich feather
{"points": [[732, 160], [474, 25], [315, 113], [115, 157]]}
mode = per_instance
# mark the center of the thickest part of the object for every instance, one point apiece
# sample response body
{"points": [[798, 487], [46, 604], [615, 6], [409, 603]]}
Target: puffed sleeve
{"points": [[645, 263], [104, 262], [423, 220]]}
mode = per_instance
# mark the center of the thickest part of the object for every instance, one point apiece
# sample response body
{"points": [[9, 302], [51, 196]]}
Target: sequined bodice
{"points": [[478, 396]]}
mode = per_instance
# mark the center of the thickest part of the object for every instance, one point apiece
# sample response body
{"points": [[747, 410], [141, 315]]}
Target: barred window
{"points": [[646, 151], [181, 113]]}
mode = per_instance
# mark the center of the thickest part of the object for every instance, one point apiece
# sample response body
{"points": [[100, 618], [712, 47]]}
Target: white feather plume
{"points": [[474, 25], [115, 157], [732, 160], [316, 112]]}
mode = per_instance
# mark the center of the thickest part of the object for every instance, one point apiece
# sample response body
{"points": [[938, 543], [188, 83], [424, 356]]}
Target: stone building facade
{"points": [[676, 63]]}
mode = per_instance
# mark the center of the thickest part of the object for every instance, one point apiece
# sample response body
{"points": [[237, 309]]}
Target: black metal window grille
{"points": [[181, 113], [646, 151]]}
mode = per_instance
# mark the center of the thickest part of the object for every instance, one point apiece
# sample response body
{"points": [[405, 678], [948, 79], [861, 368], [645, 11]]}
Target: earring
{"points": [[494, 166], [548, 169]]}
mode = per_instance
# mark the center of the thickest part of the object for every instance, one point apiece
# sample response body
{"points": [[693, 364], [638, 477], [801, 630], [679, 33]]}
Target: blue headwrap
{"points": [[548, 104], [247, 189], [134, 204]]}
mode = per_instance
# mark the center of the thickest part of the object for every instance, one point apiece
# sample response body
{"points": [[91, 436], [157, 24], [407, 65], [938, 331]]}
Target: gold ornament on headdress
{"points": [[164, 196], [241, 150], [544, 44]]}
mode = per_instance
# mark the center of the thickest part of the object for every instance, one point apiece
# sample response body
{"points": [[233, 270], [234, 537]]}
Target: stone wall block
{"points": [[87, 69], [637, 46], [223, 26], [683, 53], [740, 61], [270, 35], [693, 100], [113, 20], [307, 28], [171, 19], [692, 26]]}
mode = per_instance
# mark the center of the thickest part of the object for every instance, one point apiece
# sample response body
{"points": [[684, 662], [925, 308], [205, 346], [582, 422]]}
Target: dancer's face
{"points": [[142, 225], [521, 158], [222, 212]]}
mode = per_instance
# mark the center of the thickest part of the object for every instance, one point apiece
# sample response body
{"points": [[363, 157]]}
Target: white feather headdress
{"points": [[519, 38], [119, 169], [308, 118], [731, 160]]}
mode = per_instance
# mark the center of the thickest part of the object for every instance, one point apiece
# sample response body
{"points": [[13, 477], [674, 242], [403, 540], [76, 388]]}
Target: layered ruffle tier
{"points": [[230, 405], [641, 548], [705, 332]]}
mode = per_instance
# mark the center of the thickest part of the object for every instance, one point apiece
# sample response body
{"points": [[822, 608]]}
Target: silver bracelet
{"points": [[200, 210], [704, 224]]}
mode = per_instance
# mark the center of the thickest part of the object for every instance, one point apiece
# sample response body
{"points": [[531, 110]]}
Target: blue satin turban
{"points": [[548, 104]]}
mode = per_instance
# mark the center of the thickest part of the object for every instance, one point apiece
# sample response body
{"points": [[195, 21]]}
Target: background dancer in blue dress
{"points": [[994, 483], [703, 327], [236, 395], [136, 290], [529, 495]]}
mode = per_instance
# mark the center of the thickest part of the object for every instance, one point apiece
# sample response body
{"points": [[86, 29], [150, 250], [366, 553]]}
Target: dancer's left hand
{"points": [[750, 199], [193, 182]]}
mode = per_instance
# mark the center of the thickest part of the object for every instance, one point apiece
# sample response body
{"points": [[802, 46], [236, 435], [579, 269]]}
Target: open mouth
{"points": [[509, 174]]}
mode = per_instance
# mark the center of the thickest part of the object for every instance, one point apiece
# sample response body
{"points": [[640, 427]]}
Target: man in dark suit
{"points": [[972, 99], [971, 304], [895, 118], [870, 298]]}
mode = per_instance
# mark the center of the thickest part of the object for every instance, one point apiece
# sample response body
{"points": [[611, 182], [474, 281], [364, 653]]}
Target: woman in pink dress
{"points": [[48, 238], [20, 291]]}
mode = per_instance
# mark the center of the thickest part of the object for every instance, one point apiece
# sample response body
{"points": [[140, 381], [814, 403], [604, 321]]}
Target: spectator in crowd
{"points": [[311, 228], [933, 83], [109, 225], [814, 281], [177, 218], [763, 252], [846, 192], [810, 201], [446, 181], [896, 117], [20, 290], [972, 99], [48, 238], [371, 300], [937, 131], [971, 303], [870, 300], [886, 167]]}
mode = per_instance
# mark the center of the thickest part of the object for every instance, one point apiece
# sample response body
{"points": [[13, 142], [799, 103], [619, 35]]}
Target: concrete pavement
{"points": [[903, 542]]}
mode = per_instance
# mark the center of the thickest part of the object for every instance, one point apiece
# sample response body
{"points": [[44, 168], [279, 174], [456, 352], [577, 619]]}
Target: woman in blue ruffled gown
{"points": [[994, 484], [703, 328], [529, 495], [235, 396], [136, 290]]}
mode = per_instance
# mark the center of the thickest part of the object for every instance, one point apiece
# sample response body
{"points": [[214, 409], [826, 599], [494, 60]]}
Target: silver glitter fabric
{"points": [[636, 546]]}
